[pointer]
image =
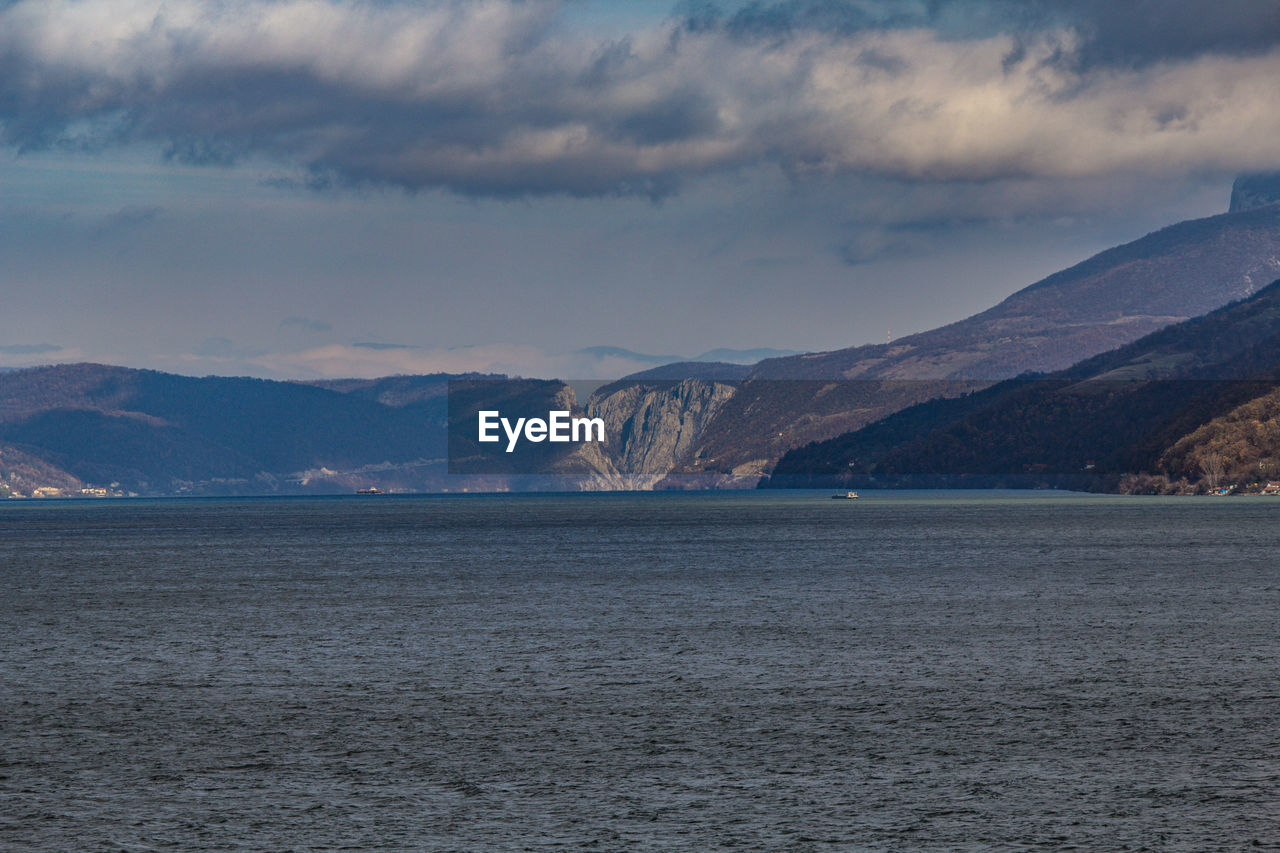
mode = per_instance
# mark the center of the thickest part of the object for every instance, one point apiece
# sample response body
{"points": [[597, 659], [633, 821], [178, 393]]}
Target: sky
{"points": [[316, 188]]}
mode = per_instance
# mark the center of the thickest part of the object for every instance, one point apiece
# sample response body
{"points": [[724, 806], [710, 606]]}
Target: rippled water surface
{"points": [[631, 672]]}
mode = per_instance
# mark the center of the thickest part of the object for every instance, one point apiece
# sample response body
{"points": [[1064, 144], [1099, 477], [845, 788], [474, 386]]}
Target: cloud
{"points": [[503, 98], [28, 355], [28, 349], [129, 216], [224, 350], [1111, 33], [362, 360], [306, 324], [1139, 33]]}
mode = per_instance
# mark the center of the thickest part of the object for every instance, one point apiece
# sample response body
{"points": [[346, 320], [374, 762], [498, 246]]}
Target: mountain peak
{"points": [[1258, 189]]}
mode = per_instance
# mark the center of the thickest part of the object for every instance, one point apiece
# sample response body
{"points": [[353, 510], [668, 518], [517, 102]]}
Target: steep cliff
{"points": [[654, 426], [1255, 190]]}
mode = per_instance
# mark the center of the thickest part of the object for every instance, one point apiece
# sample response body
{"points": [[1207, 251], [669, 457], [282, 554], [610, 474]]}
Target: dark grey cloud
{"points": [[769, 19], [1132, 32], [1144, 31], [29, 349]]}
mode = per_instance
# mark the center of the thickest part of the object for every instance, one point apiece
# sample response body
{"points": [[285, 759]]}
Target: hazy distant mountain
{"points": [[671, 365], [394, 391], [717, 370], [1158, 405], [1106, 301], [606, 352], [744, 356]]}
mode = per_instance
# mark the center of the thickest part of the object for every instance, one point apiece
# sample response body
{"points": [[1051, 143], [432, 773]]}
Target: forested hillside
{"points": [[1154, 407]]}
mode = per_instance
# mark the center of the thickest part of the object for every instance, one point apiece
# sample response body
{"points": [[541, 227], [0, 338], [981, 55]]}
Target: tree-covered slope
{"points": [[1111, 414], [146, 429]]}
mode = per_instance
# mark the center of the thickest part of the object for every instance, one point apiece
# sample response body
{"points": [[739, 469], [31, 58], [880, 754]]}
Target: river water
{"points": [[762, 671]]}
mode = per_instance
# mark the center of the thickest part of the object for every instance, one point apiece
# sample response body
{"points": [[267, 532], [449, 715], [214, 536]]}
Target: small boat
{"points": [[847, 496], [370, 492]]}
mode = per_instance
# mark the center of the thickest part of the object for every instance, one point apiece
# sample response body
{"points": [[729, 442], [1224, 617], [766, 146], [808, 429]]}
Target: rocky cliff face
{"points": [[1256, 190], [654, 426]]}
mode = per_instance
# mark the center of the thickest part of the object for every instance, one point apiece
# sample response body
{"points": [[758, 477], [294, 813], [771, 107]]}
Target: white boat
{"points": [[847, 496]]}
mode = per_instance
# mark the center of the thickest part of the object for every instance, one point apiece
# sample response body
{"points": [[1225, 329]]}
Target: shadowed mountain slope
{"points": [[1116, 413], [150, 430], [1110, 299]]}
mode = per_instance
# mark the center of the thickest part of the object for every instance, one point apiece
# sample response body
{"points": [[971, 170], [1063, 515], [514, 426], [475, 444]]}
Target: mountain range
{"points": [[710, 423], [1106, 301]]}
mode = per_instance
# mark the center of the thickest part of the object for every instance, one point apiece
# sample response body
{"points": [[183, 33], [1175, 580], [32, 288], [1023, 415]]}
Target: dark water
{"points": [[765, 672]]}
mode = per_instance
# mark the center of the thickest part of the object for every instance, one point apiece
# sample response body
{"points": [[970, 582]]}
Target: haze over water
{"points": [[927, 671]]}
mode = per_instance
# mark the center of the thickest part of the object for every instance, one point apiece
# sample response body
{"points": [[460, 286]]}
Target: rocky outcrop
{"points": [[654, 426], [589, 466], [1256, 190]]}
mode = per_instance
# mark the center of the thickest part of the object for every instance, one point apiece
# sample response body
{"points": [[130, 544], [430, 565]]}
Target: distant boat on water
{"points": [[847, 496], [370, 492]]}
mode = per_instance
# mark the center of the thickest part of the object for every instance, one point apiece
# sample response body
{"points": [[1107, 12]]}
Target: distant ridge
{"points": [[669, 365], [744, 356], [125, 431], [679, 370], [159, 433]]}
